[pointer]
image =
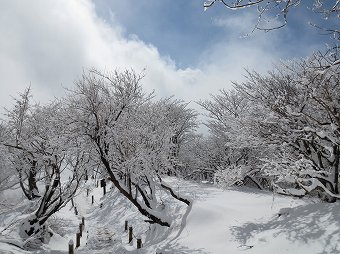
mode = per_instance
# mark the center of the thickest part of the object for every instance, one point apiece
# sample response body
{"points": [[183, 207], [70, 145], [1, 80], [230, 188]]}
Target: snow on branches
{"points": [[289, 121], [135, 137]]}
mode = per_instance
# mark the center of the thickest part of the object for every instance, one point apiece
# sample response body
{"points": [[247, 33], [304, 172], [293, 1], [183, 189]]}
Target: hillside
{"points": [[233, 220]]}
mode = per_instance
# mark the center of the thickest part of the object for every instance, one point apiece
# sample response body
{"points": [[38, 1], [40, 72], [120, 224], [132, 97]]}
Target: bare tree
{"points": [[273, 14]]}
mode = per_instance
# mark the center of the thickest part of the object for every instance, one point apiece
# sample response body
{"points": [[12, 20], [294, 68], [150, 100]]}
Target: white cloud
{"points": [[245, 22], [48, 44], [242, 23]]}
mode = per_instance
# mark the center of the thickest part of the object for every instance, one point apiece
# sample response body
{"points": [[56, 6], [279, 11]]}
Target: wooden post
{"points": [[81, 229], [139, 243], [87, 192], [130, 234], [103, 185], [126, 225], [83, 221], [86, 176], [70, 247], [75, 210], [92, 199], [77, 239]]}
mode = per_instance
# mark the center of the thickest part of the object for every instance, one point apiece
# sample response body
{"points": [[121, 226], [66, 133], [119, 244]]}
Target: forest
{"points": [[277, 132]]}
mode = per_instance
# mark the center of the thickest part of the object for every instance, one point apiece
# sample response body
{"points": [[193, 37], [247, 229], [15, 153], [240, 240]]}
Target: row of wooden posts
{"points": [[79, 234], [82, 224], [130, 229]]}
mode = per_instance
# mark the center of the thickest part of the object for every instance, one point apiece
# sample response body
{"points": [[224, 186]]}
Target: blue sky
{"points": [[182, 29], [186, 51]]}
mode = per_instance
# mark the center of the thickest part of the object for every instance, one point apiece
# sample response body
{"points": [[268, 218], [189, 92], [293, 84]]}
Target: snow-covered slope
{"points": [[244, 221], [234, 220]]}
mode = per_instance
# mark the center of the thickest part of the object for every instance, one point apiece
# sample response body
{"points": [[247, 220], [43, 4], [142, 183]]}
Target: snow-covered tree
{"points": [[303, 99], [282, 127], [236, 144], [18, 135], [130, 134], [7, 172], [46, 157]]}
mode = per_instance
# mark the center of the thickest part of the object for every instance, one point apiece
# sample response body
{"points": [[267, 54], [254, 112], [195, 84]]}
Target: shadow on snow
{"points": [[304, 224]]}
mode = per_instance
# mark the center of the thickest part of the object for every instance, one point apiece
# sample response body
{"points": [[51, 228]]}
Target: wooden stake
{"points": [[126, 225], [130, 234], [70, 247], [77, 240], [139, 243]]}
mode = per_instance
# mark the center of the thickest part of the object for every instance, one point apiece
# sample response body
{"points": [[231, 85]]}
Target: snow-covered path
{"points": [[216, 211], [233, 221], [249, 221]]}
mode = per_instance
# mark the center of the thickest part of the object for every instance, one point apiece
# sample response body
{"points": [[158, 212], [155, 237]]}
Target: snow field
{"points": [[234, 220]]}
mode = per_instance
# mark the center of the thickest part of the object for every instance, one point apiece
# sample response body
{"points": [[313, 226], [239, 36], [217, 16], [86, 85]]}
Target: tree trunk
{"points": [[32, 181], [175, 195], [148, 214], [336, 150]]}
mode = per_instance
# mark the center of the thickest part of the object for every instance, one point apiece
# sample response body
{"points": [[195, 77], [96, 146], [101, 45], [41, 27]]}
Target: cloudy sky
{"points": [[185, 51]]}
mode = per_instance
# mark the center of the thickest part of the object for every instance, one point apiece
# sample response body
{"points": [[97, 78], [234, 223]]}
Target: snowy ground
{"points": [[220, 221]]}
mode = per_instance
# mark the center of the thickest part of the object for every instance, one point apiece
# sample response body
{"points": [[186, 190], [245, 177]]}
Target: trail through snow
{"points": [[242, 220], [234, 220]]}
